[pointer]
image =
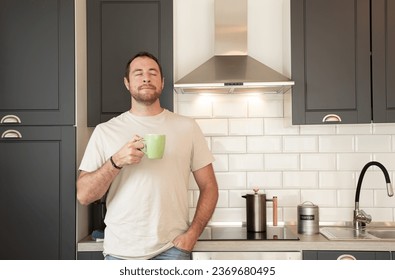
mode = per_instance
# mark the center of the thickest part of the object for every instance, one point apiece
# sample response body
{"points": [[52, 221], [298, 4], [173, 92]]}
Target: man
{"points": [[147, 200]]}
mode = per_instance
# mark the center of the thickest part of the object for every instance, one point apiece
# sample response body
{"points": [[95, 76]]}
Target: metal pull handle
{"points": [[11, 133], [346, 257], [332, 118], [10, 119]]}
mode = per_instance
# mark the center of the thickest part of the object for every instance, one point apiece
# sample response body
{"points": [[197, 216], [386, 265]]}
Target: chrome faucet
{"points": [[360, 217]]}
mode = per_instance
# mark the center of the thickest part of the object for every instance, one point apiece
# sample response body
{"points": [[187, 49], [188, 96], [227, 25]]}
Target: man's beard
{"points": [[146, 98]]}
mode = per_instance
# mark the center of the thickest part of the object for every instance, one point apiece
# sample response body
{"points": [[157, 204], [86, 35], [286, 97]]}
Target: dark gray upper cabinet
{"points": [[37, 62], [383, 60], [117, 30], [342, 58], [37, 191]]}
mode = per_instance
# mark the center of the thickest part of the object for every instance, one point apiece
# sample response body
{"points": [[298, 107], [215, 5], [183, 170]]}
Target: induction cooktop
{"points": [[241, 233]]}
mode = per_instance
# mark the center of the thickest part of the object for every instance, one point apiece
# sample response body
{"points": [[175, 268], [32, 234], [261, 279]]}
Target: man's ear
{"points": [[126, 83]]}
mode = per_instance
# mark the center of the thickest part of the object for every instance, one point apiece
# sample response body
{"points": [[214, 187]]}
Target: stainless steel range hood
{"points": [[231, 70]]}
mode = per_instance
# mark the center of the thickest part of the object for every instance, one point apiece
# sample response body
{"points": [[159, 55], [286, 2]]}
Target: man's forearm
{"points": [[204, 210], [92, 186]]}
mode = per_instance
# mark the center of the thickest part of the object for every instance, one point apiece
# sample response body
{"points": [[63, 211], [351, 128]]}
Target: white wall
{"points": [[83, 132], [253, 141]]}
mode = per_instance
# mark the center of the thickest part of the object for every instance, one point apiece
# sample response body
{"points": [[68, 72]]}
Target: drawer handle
{"points": [[332, 118], [10, 119], [11, 133], [346, 257]]}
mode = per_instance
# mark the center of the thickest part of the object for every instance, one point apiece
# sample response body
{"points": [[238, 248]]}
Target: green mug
{"points": [[154, 145]]}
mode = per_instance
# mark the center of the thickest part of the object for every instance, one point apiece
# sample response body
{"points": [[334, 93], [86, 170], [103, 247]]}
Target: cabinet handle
{"points": [[11, 133], [10, 119], [332, 118], [346, 257]]}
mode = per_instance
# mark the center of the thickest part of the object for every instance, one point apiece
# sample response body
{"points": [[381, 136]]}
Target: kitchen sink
{"points": [[349, 233], [383, 233]]}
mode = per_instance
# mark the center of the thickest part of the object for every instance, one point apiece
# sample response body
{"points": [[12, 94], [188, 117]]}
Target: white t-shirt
{"points": [[147, 203]]}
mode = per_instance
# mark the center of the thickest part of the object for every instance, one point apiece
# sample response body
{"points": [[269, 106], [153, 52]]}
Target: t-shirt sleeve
{"points": [[201, 155], [94, 156]]}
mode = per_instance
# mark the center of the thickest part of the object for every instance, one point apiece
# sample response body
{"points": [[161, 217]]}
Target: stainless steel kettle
{"points": [[256, 211]]}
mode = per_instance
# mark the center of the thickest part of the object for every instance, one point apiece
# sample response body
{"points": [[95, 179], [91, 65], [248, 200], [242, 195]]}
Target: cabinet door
{"points": [[330, 61], [37, 61], [90, 255], [117, 30], [37, 191], [334, 255], [383, 60]]}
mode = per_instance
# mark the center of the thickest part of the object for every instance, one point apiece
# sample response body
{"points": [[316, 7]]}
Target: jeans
{"points": [[170, 254]]}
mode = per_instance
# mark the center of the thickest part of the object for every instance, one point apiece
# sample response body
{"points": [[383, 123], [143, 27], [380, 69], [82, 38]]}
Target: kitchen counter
{"points": [[305, 242]]}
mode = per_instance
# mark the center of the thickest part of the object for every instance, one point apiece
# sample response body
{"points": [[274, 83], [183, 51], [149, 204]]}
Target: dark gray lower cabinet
{"points": [[37, 192], [334, 255], [90, 255]]}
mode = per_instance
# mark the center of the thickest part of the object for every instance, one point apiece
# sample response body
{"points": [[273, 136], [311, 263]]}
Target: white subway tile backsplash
{"points": [[264, 144], [381, 199], [317, 129], [230, 109], [286, 198], [229, 145], [231, 180], [214, 127], [279, 126], [300, 179], [373, 143], [383, 128], [264, 180], [337, 180], [318, 161], [229, 215], [288, 105], [221, 162], [336, 143], [380, 214], [265, 106], [236, 199], [255, 145], [354, 129], [387, 159], [300, 144], [336, 215], [323, 198], [252, 126], [373, 179], [352, 161], [223, 199], [195, 109], [281, 161], [290, 214], [246, 162], [346, 198]]}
